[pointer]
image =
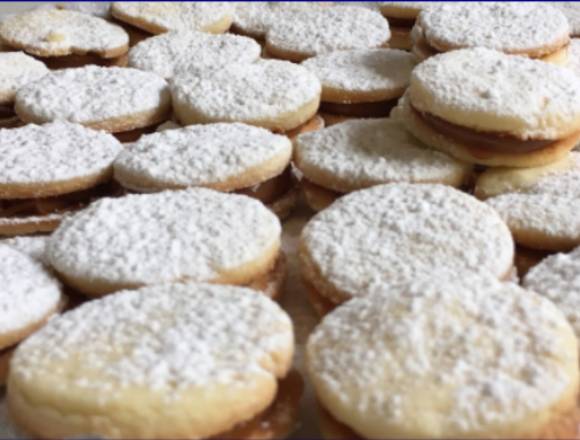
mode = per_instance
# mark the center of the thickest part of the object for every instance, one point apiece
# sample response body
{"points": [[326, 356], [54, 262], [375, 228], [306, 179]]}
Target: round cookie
{"points": [[160, 17], [113, 99], [186, 51], [98, 9], [471, 358], [572, 12], [198, 234], [401, 17], [170, 361], [319, 31], [391, 234], [485, 107], [33, 246], [277, 95]]}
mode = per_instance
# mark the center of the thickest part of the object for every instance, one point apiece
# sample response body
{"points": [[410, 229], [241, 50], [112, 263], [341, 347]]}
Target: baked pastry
{"points": [[98, 9], [125, 102], [485, 107], [574, 55], [49, 170], [362, 83], [393, 234], [34, 246], [532, 29], [170, 361], [65, 38], [471, 358], [365, 152], [401, 17]]}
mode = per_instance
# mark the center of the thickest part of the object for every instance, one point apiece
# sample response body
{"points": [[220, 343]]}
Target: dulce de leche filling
{"points": [[360, 110], [401, 23], [272, 189]]}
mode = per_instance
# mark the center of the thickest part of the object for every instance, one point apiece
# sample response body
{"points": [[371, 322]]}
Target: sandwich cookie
{"points": [[226, 157], [535, 30], [29, 296], [276, 95], [362, 83], [123, 101], [318, 31], [169, 361], [401, 17], [474, 358], [16, 70], [49, 170], [488, 108], [393, 234], [181, 52], [64, 38], [366, 152]]}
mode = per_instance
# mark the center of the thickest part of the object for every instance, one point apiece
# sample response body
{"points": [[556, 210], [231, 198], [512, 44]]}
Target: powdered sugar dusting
{"points": [[34, 246], [572, 12], [574, 56], [99, 9], [16, 70]]}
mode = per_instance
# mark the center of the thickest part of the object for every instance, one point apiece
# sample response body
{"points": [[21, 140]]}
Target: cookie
{"points": [[160, 17], [49, 170], [322, 30], [536, 30], [472, 358], [574, 56], [366, 152], [98, 9], [488, 108], [572, 12], [276, 95], [401, 17], [362, 83], [152, 363], [175, 53], [114, 99], [33, 246], [393, 234]]}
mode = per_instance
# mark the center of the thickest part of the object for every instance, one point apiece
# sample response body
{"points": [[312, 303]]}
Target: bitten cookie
{"points": [[171, 361]]}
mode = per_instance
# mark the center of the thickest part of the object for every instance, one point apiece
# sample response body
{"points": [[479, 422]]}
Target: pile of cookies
{"points": [[150, 151]]}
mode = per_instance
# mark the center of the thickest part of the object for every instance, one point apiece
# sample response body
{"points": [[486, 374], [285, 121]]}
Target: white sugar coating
{"points": [[61, 31], [149, 239], [490, 91], [572, 12], [99, 9], [473, 357], [364, 70], [374, 6], [574, 56], [170, 339], [92, 94], [186, 51], [33, 246], [16, 70], [246, 92], [175, 16], [364, 152], [28, 294], [318, 31], [391, 234], [515, 27], [410, 5], [201, 155], [54, 152]]}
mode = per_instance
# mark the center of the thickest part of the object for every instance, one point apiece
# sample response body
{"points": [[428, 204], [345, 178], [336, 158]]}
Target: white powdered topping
{"points": [[366, 152], [61, 32], [489, 91], [99, 9], [175, 16], [515, 27], [377, 71], [247, 92], [34, 246], [92, 94], [574, 56], [469, 358], [16, 70], [572, 12], [182, 52], [174, 235], [172, 339], [59, 151], [391, 234], [322, 30], [28, 294], [418, 6], [201, 155]]}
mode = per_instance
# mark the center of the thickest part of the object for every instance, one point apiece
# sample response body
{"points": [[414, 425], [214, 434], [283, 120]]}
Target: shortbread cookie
{"points": [[322, 30], [485, 107], [160, 17], [33, 246], [98, 9], [574, 56], [471, 358], [113, 99], [401, 17], [49, 170], [534, 29], [392, 234], [372, 78], [202, 359], [365, 152], [187, 51], [572, 12], [277, 95]]}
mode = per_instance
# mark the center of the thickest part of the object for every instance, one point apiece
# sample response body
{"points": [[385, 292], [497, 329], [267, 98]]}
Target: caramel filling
{"points": [[8, 118], [360, 110], [272, 189], [404, 24], [318, 197], [7, 111], [72, 61], [526, 258], [134, 135]]}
